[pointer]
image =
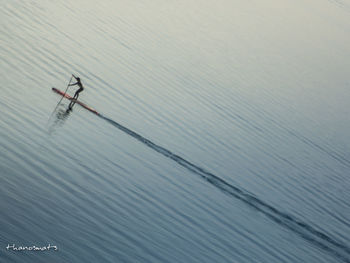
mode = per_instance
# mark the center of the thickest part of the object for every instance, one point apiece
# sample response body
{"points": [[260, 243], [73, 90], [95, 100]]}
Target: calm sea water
{"points": [[222, 133]]}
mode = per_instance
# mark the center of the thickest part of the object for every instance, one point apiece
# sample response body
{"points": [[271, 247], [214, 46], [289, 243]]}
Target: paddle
{"points": [[62, 97]]}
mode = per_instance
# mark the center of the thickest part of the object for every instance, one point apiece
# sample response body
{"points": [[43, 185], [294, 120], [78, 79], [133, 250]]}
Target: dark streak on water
{"points": [[304, 230]]}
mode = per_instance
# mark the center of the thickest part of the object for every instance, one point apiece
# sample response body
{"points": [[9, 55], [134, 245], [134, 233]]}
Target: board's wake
{"points": [[304, 230]]}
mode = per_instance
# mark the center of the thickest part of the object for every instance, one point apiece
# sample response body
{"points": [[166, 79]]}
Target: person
{"points": [[76, 95]]}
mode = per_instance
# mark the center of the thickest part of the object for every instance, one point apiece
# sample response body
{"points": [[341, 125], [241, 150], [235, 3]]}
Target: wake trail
{"points": [[292, 223]]}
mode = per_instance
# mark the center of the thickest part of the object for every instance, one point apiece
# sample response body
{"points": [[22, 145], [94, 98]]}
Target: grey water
{"points": [[222, 132]]}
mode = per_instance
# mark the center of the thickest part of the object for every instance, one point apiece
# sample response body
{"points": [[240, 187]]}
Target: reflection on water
{"points": [[61, 114]]}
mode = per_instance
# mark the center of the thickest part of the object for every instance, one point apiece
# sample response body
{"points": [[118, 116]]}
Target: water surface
{"points": [[222, 133]]}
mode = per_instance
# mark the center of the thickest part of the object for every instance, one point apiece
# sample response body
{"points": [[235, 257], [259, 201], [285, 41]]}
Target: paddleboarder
{"points": [[76, 95]]}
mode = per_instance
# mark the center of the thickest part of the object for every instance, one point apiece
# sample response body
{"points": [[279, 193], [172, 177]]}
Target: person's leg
{"points": [[74, 100], [71, 104], [76, 95]]}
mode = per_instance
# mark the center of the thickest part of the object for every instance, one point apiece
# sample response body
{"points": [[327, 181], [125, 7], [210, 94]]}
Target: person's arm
{"points": [[73, 83]]}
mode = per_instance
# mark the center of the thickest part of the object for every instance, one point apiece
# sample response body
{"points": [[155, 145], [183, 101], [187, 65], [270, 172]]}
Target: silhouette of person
{"points": [[76, 95]]}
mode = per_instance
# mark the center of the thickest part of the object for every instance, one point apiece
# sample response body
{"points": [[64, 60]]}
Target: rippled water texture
{"points": [[213, 131]]}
